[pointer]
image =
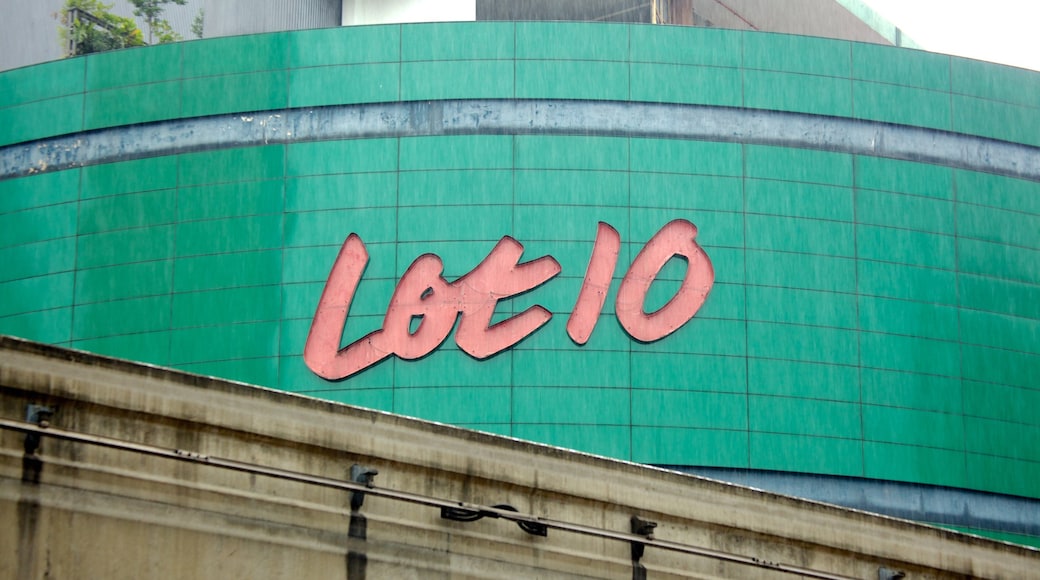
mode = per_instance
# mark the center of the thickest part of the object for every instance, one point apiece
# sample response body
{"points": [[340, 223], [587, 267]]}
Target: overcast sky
{"points": [[1005, 31]]}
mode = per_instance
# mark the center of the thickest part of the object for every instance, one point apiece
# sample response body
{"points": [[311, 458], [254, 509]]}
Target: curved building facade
{"points": [[866, 232]]}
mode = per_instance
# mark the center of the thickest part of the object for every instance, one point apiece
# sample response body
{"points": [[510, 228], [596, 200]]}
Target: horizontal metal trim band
{"points": [[522, 117], [912, 501]]}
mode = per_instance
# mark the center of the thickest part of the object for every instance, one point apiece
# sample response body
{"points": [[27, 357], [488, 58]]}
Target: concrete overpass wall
{"points": [[110, 505]]}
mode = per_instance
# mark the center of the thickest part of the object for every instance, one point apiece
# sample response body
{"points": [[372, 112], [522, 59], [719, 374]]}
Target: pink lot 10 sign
{"points": [[423, 295]]}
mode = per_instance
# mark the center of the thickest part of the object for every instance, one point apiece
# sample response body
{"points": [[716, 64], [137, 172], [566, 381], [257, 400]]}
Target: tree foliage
{"points": [[198, 23], [80, 35], [158, 27]]}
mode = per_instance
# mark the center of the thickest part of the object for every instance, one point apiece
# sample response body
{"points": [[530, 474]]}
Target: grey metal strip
{"points": [[550, 117], [912, 501]]}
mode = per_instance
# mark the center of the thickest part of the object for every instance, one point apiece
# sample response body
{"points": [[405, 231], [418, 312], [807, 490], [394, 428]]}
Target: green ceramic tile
{"points": [[252, 304], [571, 40], [457, 152], [454, 404], [1002, 475], [683, 156], [120, 317], [49, 326], [682, 371], [803, 453], [571, 405], [999, 261], [700, 192], [149, 347], [995, 119], [918, 319], [571, 152], [999, 331], [571, 187], [124, 281], [913, 427], [907, 282], [457, 41], [222, 343], [1001, 296], [786, 234], [702, 336], [801, 379], [36, 191], [534, 223], [678, 83], [326, 157], [227, 271], [43, 81], [680, 45], [904, 177], [769, 414], [332, 227], [788, 306], [457, 79], [35, 294], [810, 272], [134, 104], [800, 200], [238, 93], [898, 104], [609, 441], [229, 235], [40, 119], [801, 54], [350, 190], [230, 200], [800, 93], [227, 165], [130, 176], [998, 191], [121, 212], [236, 54], [344, 45], [674, 446], [342, 85], [1013, 404], [911, 391], [900, 66], [38, 224], [300, 299], [994, 81], [1001, 438], [444, 223], [919, 355], [906, 247], [914, 464], [572, 79], [1001, 366], [802, 343], [994, 225], [572, 368], [804, 165], [38, 259], [688, 409], [125, 246], [119, 68], [456, 187], [904, 211], [714, 228]]}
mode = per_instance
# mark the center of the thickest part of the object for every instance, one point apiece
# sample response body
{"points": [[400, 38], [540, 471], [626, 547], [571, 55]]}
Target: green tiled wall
{"points": [[870, 317]]}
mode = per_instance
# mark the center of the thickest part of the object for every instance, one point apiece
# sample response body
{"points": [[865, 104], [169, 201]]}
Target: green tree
{"points": [[152, 11], [87, 26], [198, 23]]}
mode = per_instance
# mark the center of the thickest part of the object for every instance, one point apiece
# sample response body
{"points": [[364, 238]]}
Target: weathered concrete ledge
{"points": [[522, 117], [73, 509]]}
